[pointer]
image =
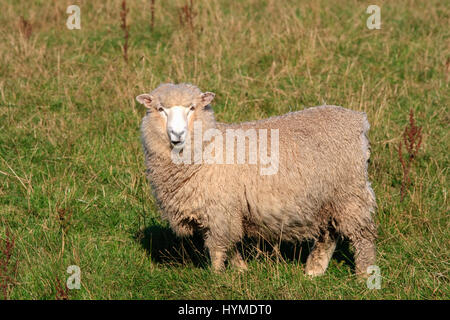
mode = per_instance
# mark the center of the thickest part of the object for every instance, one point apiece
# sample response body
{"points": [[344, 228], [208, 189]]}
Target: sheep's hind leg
{"points": [[318, 259], [364, 255], [357, 224]]}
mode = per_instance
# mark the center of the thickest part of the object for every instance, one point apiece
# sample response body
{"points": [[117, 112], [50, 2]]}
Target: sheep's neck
{"points": [[165, 175], [164, 171]]}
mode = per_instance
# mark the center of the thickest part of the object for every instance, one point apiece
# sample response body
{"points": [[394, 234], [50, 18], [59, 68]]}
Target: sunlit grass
{"points": [[69, 138]]}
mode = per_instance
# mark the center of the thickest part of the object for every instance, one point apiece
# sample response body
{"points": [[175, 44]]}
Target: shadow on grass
{"points": [[165, 247], [295, 252]]}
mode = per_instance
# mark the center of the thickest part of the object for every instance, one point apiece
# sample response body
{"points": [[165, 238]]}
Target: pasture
{"points": [[72, 183]]}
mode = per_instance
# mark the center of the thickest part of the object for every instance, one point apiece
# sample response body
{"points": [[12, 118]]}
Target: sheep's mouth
{"points": [[177, 144]]}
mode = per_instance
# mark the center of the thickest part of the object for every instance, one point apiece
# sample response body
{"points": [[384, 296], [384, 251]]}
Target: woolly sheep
{"points": [[320, 191]]}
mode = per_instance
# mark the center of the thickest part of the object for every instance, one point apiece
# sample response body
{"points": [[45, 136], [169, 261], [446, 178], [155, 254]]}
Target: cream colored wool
{"points": [[321, 190]]}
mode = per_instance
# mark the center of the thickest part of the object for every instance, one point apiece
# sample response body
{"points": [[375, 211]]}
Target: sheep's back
{"points": [[320, 160]]}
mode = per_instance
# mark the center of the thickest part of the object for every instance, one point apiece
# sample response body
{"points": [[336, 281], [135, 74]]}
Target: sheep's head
{"points": [[175, 107]]}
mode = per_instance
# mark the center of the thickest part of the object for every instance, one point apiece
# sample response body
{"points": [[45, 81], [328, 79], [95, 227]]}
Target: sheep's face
{"points": [[176, 116]]}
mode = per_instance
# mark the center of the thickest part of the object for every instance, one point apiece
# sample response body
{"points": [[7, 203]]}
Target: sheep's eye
{"points": [[192, 108], [161, 109]]}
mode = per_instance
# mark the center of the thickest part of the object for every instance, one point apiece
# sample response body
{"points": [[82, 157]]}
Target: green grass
{"points": [[69, 139]]}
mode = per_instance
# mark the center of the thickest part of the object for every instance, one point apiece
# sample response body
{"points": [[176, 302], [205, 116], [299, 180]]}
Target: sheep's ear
{"points": [[206, 98], [145, 99]]}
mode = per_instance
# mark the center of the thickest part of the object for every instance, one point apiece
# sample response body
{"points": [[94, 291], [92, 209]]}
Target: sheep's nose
{"points": [[177, 136]]}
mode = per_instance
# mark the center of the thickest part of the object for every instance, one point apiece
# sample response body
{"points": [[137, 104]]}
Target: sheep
{"points": [[320, 190]]}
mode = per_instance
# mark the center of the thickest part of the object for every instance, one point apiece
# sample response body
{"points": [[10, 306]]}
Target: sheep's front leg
{"points": [[318, 259], [217, 252], [218, 256], [237, 261], [221, 238]]}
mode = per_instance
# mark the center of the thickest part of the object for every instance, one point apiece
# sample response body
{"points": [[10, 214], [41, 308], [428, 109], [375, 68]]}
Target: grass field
{"points": [[72, 185]]}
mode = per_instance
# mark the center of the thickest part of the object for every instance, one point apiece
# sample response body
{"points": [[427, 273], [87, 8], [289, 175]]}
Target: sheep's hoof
{"points": [[315, 271], [242, 267], [218, 268], [362, 275], [237, 262]]}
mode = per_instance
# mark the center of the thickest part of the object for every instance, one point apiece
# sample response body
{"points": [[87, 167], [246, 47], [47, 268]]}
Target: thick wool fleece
{"points": [[321, 183]]}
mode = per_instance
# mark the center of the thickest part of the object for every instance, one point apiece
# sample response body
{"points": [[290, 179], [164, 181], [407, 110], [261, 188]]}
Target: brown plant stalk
{"points": [[62, 292], [6, 267], [64, 218], [186, 15], [125, 28], [25, 27], [412, 139], [152, 12]]}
